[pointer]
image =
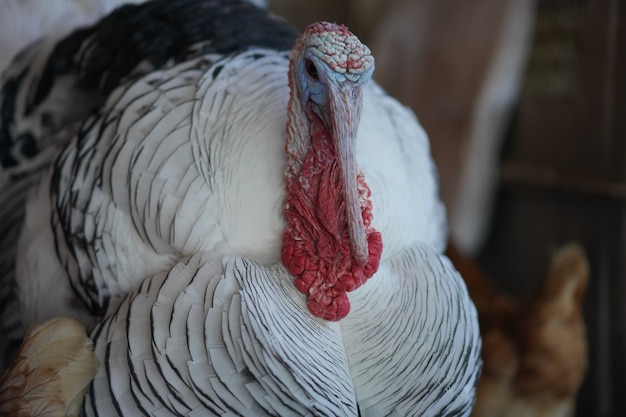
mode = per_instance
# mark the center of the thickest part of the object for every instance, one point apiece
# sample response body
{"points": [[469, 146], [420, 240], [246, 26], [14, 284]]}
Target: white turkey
{"points": [[252, 223]]}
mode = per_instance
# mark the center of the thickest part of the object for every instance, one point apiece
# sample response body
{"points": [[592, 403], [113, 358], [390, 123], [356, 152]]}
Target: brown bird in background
{"points": [[534, 352], [51, 373]]}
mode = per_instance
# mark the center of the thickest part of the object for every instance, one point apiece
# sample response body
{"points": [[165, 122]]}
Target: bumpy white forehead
{"points": [[337, 47]]}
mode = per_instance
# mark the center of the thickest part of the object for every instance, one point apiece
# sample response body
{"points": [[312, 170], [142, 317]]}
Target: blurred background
{"points": [[525, 105]]}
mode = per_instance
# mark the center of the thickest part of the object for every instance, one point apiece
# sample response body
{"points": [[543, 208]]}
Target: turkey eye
{"points": [[311, 70]]}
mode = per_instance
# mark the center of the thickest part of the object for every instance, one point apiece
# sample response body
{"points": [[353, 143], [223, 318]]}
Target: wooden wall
{"points": [[564, 178]]}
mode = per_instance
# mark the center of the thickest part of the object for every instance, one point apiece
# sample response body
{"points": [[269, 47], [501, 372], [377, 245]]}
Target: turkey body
{"points": [[255, 349], [162, 180], [191, 158], [157, 214]]}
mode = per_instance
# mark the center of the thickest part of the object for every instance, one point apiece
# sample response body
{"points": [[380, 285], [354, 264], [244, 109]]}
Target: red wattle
{"points": [[316, 242]]}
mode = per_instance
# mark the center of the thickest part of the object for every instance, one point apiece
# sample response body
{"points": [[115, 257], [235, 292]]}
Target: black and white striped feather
{"points": [[224, 335], [52, 86]]}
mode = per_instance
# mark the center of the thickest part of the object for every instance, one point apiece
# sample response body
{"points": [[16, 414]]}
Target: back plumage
{"points": [[57, 82], [23, 22]]}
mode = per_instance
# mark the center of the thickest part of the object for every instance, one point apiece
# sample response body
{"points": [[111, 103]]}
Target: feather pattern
{"points": [[43, 86], [225, 335], [47, 92]]}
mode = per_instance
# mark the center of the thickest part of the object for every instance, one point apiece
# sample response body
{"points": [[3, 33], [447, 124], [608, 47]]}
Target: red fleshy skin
{"points": [[316, 243]]}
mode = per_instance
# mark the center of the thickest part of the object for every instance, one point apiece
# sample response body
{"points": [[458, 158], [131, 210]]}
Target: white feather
{"points": [[233, 335], [191, 162]]}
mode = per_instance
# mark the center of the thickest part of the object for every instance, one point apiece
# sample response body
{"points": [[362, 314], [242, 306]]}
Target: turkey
{"points": [[249, 223]]}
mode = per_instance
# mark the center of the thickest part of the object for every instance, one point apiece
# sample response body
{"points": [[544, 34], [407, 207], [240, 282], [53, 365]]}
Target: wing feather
{"points": [[224, 335], [412, 338]]}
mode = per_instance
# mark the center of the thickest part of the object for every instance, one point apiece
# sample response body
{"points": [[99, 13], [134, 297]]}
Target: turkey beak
{"points": [[345, 114]]}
